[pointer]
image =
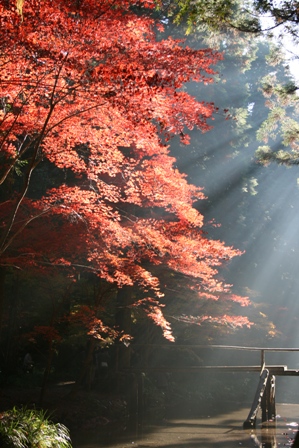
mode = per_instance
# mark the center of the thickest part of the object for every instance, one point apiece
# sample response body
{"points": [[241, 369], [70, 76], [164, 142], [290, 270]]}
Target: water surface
{"points": [[218, 429]]}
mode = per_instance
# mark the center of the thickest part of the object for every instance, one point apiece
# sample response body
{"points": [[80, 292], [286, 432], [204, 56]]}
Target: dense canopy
{"points": [[89, 100]]}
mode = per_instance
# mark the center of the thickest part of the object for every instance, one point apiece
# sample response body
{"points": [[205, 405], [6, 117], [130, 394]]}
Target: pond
{"points": [[222, 429]]}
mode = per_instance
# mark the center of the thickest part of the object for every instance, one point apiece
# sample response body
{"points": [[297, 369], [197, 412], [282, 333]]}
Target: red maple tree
{"points": [[86, 88]]}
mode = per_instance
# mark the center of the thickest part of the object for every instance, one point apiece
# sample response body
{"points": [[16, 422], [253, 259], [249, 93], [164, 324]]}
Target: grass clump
{"points": [[28, 428]]}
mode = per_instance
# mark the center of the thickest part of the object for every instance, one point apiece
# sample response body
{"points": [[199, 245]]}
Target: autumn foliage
{"points": [[88, 91]]}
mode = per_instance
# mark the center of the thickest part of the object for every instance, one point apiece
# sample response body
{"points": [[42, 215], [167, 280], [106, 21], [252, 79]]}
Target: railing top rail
{"points": [[229, 347], [266, 349]]}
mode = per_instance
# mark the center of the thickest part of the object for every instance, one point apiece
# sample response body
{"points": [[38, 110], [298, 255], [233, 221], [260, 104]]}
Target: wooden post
{"points": [[262, 360], [296, 441], [251, 419], [264, 401], [272, 404], [268, 401]]}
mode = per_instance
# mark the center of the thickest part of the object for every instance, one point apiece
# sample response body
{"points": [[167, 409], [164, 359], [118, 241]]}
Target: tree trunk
{"points": [[127, 380], [123, 319], [46, 373], [2, 283], [85, 377]]}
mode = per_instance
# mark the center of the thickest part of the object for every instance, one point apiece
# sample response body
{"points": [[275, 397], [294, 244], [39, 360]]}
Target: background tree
{"points": [[253, 205]]}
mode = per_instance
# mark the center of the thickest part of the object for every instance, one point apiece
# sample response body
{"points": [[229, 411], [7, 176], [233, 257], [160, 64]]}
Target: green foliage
{"points": [[246, 16], [19, 165], [217, 14], [290, 131], [264, 154], [284, 93], [283, 12], [269, 126], [27, 428], [269, 87], [281, 125], [213, 13], [241, 116]]}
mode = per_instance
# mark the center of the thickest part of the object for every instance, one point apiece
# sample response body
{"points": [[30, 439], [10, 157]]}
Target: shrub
{"points": [[27, 428]]}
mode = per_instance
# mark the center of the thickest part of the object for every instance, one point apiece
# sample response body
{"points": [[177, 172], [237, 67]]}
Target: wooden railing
{"points": [[265, 394]]}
